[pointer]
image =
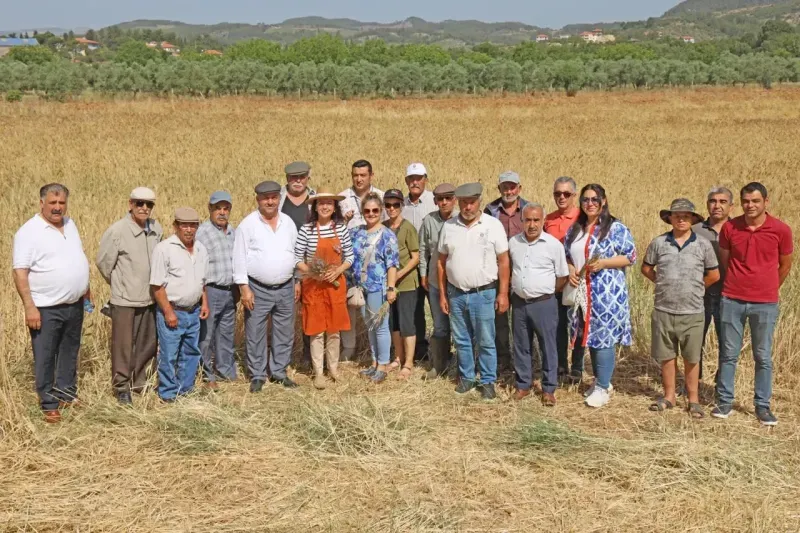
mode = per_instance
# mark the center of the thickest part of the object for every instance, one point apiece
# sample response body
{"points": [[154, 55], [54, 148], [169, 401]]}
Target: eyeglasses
{"points": [[375, 211], [142, 203], [591, 200], [561, 194], [393, 206]]}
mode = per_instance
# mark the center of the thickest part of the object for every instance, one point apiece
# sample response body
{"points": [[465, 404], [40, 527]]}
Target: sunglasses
{"points": [[142, 203], [560, 194], [590, 200], [375, 211], [393, 206]]}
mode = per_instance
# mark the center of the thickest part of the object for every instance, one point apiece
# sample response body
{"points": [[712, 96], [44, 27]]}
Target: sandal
{"points": [[660, 405], [696, 411], [406, 372], [394, 365]]}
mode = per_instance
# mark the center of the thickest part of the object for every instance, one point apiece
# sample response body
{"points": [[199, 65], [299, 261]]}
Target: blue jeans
{"points": [[441, 323], [762, 317], [380, 339], [178, 354], [603, 360], [472, 320]]}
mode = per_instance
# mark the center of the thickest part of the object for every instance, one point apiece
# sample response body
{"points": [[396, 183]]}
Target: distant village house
{"points": [[7, 43], [542, 38], [688, 39], [597, 36]]}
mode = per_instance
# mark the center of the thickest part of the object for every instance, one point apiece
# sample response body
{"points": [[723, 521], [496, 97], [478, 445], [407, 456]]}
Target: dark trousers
{"points": [[217, 336], [562, 340], [420, 325], [540, 319], [55, 353], [502, 340], [712, 306], [133, 346]]}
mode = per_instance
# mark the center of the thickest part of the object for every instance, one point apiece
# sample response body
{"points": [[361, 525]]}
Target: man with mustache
{"points": [[295, 194], [51, 275], [124, 262], [216, 332]]}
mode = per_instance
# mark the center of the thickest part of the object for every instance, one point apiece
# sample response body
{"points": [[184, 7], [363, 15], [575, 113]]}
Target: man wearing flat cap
{"points": [[263, 267], [216, 332], [178, 279], [681, 265], [295, 194], [474, 267], [124, 262]]}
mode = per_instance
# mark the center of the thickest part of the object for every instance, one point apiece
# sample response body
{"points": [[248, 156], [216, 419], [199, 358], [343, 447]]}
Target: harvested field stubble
{"points": [[403, 456]]}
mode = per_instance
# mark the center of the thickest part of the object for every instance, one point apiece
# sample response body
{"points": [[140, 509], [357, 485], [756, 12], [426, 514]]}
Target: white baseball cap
{"points": [[416, 169]]}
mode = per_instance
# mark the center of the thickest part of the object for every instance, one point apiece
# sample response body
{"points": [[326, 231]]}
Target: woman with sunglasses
{"points": [[599, 248], [375, 263]]}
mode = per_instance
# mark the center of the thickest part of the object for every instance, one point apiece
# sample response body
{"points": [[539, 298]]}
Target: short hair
{"points": [[54, 188], [372, 197], [720, 190], [532, 205], [567, 180], [361, 163], [752, 187]]}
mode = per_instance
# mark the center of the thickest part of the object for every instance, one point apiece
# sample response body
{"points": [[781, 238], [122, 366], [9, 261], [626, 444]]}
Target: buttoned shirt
{"points": [[262, 253], [557, 224], [415, 212], [536, 265], [181, 273], [219, 245], [472, 251], [58, 271], [352, 202], [429, 246]]}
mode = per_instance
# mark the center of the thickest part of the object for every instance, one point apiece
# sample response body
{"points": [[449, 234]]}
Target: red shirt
{"points": [[557, 224], [752, 274]]}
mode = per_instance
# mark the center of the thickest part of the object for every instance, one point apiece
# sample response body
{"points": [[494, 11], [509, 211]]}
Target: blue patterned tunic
{"points": [[609, 322], [386, 256]]}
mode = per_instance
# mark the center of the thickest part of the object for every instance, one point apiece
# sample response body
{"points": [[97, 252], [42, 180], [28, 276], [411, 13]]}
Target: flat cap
{"points": [[143, 193], [444, 189], [267, 186], [509, 176], [220, 196], [297, 168], [396, 194], [186, 214], [469, 190]]}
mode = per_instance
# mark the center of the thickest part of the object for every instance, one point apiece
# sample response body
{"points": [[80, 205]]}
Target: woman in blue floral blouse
{"points": [[375, 269]]}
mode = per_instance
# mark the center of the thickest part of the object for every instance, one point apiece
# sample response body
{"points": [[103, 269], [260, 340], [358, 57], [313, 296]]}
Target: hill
{"points": [[711, 6]]}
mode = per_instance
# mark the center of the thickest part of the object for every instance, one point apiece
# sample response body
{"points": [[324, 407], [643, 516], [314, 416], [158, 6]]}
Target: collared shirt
{"points": [[415, 212], [536, 265], [680, 271], [754, 258], [123, 260], [352, 202], [706, 230], [181, 273], [557, 224], [219, 245], [58, 271], [472, 251], [429, 246], [512, 224], [262, 253]]}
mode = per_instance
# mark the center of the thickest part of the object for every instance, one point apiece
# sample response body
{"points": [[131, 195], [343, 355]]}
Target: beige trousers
{"points": [[320, 350], [349, 336]]}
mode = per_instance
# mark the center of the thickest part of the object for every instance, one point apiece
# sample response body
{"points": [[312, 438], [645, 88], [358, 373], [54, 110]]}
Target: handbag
{"points": [[355, 295]]}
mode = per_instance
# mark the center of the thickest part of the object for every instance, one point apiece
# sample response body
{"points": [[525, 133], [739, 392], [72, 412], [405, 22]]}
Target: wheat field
{"points": [[402, 457]]}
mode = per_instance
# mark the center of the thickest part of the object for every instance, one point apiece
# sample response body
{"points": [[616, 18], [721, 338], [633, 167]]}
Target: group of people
{"points": [[497, 278]]}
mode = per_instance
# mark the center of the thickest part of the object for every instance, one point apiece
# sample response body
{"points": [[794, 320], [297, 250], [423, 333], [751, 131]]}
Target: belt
{"points": [[488, 286], [268, 287], [541, 298], [190, 309], [220, 287]]}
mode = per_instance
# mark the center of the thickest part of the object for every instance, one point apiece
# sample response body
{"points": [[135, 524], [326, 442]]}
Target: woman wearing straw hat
{"points": [[324, 252]]}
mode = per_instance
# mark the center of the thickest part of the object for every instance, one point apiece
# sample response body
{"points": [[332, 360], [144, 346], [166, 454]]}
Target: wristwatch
{"points": [[390, 289]]}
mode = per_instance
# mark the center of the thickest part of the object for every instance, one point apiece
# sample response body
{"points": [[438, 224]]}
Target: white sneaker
{"points": [[588, 392], [599, 397]]}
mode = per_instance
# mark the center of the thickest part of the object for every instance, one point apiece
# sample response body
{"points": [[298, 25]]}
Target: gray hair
{"points": [[567, 180], [532, 205], [54, 188], [720, 190]]}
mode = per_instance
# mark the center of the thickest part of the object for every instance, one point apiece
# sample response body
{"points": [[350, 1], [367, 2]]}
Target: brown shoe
{"points": [[521, 394], [52, 417], [75, 404], [548, 399]]}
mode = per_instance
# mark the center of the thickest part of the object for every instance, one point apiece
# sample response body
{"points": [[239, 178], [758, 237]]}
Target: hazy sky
{"points": [[24, 14]]}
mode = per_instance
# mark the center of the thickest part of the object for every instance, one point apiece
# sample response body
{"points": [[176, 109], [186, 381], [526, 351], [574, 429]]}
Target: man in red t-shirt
{"points": [[757, 250]]}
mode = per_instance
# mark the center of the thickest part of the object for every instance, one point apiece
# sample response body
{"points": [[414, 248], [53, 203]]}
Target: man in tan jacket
{"points": [[124, 261]]}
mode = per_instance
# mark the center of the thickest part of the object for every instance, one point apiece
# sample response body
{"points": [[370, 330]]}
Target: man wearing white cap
{"points": [[124, 262]]}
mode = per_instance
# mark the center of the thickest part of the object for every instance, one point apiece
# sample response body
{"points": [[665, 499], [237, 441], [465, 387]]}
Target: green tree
{"points": [[31, 55], [136, 52], [255, 50]]}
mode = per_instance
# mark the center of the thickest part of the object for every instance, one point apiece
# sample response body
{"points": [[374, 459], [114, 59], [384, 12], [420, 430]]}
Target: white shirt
{"points": [[414, 213], [58, 268], [472, 251], [578, 250], [181, 273], [352, 203], [262, 253], [536, 265]]}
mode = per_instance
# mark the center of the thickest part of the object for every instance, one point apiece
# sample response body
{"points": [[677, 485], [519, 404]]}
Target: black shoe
{"points": [[487, 391], [464, 386], [563, 377], [575, 377], [766, 417], [286, 382], [256, 385], [722, 411], [124, 398]]}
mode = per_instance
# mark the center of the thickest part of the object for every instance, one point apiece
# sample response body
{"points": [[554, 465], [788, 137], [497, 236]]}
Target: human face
{"points": [[591, 203], [446, 204], [509, 192], [681, 221], [268, 203], [325, 209], [394, 208], [470, 208], [186, 232], [219, 213], [54, 208], [372, 213], [297, 185], [362, 179], [532, 223], [140, 210], [719, 207], [416, 185], [564, 196], [754, 205]]}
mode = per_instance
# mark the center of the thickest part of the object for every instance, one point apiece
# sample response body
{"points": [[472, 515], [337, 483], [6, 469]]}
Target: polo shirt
{"points": [[557, 224], [705, 230], [679, 272], [352, 202], [536, 265], [262, 253], [58, 271], [752, 274], [472, 251], [407, 242], [415, 212], [182, 274]]}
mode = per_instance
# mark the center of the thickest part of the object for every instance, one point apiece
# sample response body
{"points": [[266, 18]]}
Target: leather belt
{"points": [[190, 309], [488, 286], [220, 287], [268, 287], [541, 298]]}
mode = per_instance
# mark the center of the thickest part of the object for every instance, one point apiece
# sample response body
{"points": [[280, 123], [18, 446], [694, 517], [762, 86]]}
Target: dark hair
{"points": [[55, 188], [752, 187], [337, 216], [372, 197], [361, 163], [605, 220]]}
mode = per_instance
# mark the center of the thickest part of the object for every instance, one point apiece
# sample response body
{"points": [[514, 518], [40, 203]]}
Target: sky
{"points": [[29, 14]]}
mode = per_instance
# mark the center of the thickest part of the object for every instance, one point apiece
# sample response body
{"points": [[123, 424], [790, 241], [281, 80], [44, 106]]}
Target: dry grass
{"points": [[403, 456]]}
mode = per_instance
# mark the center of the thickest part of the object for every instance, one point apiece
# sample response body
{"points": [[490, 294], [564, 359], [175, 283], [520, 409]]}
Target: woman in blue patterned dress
{"points": [[599, 248], [375, 267]]}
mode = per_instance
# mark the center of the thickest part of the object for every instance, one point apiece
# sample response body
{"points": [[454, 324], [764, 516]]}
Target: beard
{"points": [[510, 198]]}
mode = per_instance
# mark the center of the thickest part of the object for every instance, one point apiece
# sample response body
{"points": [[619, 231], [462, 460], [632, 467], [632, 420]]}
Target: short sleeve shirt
{"points": [[556, 224], [407, 242], [536, 265], [298, 213], [679, 272], [472, 251], [183, 275]]}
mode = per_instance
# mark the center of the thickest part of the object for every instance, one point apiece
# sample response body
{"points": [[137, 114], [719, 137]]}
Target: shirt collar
{"points": [[136, 229], [460, 222], [671, 240], [228, 229], [46, 224]]}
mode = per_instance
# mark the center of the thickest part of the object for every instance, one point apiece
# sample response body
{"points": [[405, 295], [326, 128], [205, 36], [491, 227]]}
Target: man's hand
{"points": [[204, 311], [349, 215], [171, 319], [298, 291], [424, 281], [33, 319], [248, 298], [501, 304], [443, 304]]}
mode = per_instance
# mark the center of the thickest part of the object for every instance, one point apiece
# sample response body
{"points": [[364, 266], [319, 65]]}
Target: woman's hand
{"points": [[596, 265], [391, 296], [332, 274], [574, 280]]}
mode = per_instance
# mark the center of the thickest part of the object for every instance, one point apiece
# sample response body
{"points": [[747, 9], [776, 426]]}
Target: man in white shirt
{"points": [[474, 267], [51, 274], [539, 270], [263, 268]]}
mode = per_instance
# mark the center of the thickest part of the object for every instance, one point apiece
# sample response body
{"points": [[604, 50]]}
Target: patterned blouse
{"points": [[386, 256], [609, 322]]}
